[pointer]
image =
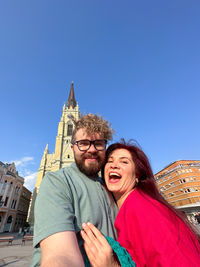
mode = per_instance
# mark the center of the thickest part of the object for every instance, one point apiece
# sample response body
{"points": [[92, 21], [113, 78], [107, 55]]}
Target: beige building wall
{"points": [[11, 187]]}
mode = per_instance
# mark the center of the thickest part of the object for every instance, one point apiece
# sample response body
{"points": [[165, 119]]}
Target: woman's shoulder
{"points": [[138, 198], [142, 205]]}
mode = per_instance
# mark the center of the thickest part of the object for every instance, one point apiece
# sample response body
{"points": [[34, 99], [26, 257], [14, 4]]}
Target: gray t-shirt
{"points": [[66, 199]]}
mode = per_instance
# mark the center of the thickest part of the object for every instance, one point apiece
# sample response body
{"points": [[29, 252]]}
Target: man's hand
{"points": [[99, 252], [61, 249]]}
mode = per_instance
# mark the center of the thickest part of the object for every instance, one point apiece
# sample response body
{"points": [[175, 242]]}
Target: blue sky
{"points": [[136, 63]]}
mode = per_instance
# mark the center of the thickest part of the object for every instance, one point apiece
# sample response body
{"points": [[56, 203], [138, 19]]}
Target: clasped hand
{"points": [[99, 252]]}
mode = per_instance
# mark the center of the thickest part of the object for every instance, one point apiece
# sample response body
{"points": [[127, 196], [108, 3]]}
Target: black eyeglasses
{"points": [[84, 145]]}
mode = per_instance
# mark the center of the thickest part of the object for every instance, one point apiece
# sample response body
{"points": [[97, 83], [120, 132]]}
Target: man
{"points": [[74, 195]]}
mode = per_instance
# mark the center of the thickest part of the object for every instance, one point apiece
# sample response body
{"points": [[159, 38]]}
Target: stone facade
{"points": [[11, 189]]}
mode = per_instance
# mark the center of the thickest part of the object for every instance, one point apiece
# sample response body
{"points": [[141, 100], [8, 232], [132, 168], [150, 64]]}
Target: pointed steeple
{"points": [[71, 102], [46, 151]]}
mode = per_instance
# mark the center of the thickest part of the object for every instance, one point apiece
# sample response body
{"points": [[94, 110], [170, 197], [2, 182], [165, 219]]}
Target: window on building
{"points": [[5, 183], [68, 156], [14, 204], [6, 201], [9, 219], [69, 129]]}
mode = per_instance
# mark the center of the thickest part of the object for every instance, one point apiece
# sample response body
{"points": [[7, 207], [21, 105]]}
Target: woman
{"points": [[151, 230]]}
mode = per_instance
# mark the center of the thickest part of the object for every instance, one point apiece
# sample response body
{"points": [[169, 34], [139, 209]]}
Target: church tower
{"points": [[63, 155]]}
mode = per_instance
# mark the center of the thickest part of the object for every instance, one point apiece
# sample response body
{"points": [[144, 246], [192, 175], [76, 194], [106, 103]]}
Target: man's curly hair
{"points": [[93, 123]]}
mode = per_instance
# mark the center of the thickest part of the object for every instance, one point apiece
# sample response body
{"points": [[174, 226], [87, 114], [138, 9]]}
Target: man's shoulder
{"points": [[62, 172], [63, 176]]}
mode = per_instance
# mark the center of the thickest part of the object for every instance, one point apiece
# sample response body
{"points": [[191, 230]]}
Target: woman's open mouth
{"points": [[114, 177]]}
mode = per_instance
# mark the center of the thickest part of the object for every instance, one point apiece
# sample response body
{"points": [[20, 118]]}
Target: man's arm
{"points": [[61, 250]]}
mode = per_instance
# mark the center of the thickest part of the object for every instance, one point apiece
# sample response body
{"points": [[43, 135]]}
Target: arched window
{"points": [[14, 204], [69, 129], [9, 219]]}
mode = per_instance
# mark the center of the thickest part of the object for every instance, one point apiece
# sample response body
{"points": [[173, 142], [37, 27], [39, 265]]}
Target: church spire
{"points": [[46, 151], [71, 102]]}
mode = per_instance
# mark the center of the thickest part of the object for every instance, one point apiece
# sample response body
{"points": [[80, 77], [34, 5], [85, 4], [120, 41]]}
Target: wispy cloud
{"points": [[23, 161], [24, 166], [30, 181]]}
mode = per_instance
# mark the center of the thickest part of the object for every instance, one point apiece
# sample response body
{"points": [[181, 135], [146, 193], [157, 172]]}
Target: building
{"points": [[63, 155], [179, 183], [22, 209], [29, 209], [11, 190]]}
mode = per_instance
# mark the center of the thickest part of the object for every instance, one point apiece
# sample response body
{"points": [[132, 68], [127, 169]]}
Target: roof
{"points": [[71, 102], [178, 162]]}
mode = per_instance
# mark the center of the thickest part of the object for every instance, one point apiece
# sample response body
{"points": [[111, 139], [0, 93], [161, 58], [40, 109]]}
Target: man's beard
{"points": [[93, 168]]}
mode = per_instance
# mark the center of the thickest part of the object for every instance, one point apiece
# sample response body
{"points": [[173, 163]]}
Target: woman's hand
{"points": [[99, 252]]}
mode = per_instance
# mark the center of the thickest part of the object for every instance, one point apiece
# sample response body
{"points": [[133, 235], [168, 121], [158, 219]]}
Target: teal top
{"points": [[121, 253], [66, 199]]}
